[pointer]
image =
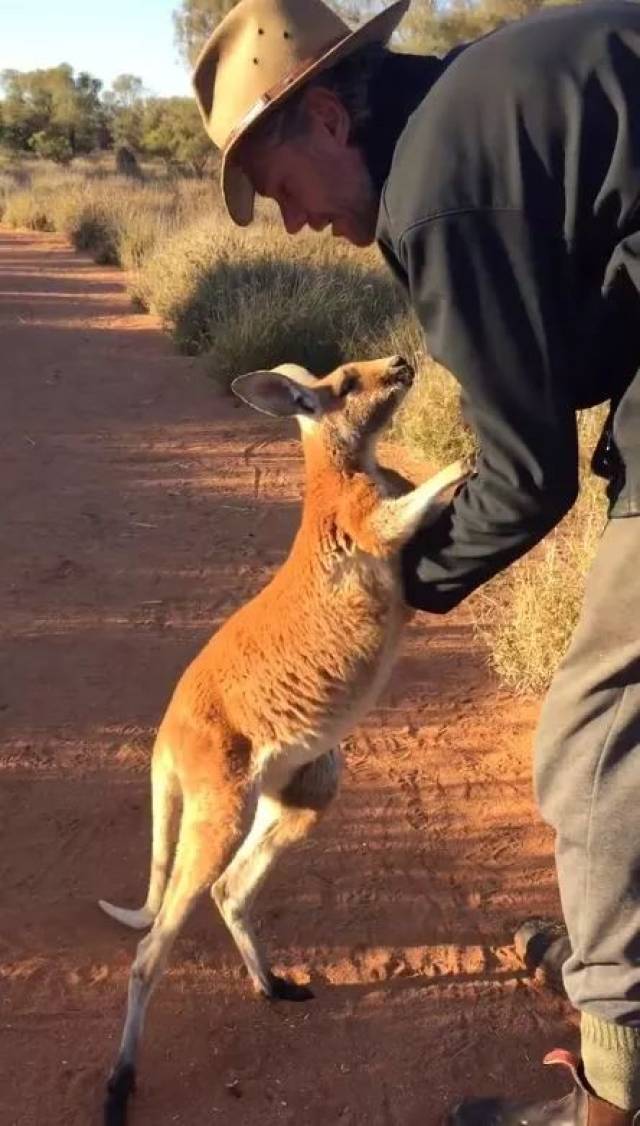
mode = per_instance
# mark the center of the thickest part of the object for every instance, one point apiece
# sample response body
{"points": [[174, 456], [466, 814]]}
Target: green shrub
{"points": [[52, 146]]}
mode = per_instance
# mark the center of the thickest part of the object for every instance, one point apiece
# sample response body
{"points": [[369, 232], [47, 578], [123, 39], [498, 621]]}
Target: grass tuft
{"points": [[527, 614], [252, 299]]}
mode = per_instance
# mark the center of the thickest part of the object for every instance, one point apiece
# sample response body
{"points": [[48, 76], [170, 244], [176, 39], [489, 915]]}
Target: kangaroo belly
{"points": [[296, 670], [317, 722]]}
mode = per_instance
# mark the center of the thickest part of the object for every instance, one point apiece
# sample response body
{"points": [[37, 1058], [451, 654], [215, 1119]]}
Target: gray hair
{"points": [[350, 80]]}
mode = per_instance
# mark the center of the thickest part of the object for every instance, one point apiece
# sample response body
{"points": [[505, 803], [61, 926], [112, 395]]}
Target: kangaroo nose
{"points": [[400, 371]]}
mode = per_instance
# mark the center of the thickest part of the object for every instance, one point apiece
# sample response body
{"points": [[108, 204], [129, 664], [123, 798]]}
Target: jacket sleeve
{"points": [[492, 295]]}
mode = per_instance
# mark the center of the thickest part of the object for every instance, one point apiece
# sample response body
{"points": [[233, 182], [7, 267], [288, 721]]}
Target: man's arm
{"points": [[493, 298]]}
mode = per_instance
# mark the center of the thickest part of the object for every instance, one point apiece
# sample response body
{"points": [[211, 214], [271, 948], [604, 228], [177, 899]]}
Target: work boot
{"points": [[579, 1108], [543, 947]]}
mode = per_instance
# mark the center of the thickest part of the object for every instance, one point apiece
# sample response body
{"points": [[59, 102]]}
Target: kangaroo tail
{"points": [[164, 800]]}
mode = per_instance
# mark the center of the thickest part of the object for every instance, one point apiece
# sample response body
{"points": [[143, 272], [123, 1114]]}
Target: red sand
{"points": [[139, 507]]}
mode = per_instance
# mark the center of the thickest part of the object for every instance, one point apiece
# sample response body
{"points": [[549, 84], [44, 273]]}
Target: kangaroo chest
{"points": [[333, 662]]}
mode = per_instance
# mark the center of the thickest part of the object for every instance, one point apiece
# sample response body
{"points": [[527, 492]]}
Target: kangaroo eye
{"points": [[349, 383]]}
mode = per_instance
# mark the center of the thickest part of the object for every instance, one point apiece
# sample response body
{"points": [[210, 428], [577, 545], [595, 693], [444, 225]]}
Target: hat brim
{"points": [[237, 190]]}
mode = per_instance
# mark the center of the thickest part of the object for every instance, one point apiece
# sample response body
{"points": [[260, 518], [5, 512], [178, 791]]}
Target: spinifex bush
{"points": [[119, 222], [257, 298], [527, 614]]}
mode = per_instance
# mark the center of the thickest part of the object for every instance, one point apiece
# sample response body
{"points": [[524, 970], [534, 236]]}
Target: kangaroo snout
{"points": [[400, 371]]}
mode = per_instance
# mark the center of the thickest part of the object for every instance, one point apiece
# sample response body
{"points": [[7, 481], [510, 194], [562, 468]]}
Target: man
{"points": [[502, 184]]}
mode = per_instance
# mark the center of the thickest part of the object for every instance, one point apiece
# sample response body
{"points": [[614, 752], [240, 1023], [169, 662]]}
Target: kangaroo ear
{"points": [[277, 394]]}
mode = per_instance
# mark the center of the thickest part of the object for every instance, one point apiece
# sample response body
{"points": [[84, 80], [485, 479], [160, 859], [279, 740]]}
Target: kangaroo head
{"points": [[345, 410]]}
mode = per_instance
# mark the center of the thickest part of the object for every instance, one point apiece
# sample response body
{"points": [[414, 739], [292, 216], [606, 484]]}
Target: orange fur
{"points": [[251, 728]]}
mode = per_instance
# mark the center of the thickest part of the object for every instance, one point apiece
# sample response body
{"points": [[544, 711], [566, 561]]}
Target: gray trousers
{"points": [[588, 782]]}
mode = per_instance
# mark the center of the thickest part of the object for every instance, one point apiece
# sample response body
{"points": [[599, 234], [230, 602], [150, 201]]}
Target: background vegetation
{"points": [[58, 115], [433, 26], [254, 298]]}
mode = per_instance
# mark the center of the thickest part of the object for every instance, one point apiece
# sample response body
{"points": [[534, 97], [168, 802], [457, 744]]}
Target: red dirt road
{"points": [[138, 508]]}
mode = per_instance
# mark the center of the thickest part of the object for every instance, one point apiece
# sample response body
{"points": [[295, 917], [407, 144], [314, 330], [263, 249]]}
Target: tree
{"points": [[51, 146], [55, 103], [194, 20], [82, 114], [434, 28], [431, 26], [193, 23], [127, 90], [125, 106], [27, 106], [172, 129]]}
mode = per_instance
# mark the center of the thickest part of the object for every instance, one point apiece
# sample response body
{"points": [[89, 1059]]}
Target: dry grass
{"points": [[118, 220], [431, 422], [527, 614], [24, 208], [256, 298], [253, 299]]}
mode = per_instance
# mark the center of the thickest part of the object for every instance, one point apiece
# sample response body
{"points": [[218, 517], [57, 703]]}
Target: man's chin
{"points": [[354, 234]]}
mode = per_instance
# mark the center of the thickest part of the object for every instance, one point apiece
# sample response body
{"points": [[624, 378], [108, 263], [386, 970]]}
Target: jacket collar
{"points": [[398, 88]]}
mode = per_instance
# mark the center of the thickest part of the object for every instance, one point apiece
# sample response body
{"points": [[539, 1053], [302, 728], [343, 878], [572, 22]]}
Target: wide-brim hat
{"points": [[258, 55]]}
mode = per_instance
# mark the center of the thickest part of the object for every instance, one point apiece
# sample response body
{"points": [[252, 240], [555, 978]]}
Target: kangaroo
{"points": [[250, 735]]}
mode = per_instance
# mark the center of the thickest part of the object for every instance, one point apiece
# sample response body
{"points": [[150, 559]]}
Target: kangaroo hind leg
{"points": [[281, 820], [202, 851]]}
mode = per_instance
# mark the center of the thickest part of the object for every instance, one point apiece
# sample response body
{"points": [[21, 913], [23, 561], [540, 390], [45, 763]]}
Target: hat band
{"points": [[276, 91]]}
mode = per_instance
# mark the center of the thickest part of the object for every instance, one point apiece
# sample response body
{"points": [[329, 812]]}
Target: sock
{"points": [[611, 1060]]}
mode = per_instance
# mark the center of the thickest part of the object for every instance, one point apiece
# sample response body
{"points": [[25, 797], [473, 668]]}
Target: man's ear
{"points": [[329, 112], [277, 394]]}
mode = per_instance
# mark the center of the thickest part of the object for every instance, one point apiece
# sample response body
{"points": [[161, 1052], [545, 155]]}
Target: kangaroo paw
{"points": [[281, 989], [122, 1083]]}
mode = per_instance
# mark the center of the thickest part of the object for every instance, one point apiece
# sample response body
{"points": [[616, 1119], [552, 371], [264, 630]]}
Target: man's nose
{"points": [[293, 218]]}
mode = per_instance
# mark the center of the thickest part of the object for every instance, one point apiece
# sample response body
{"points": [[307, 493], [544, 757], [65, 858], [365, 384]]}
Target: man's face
{"points": [[317, 178]]}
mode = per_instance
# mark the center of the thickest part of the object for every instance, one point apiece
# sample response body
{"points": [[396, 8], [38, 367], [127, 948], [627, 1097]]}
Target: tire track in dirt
{"points": [[139, 507]]}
